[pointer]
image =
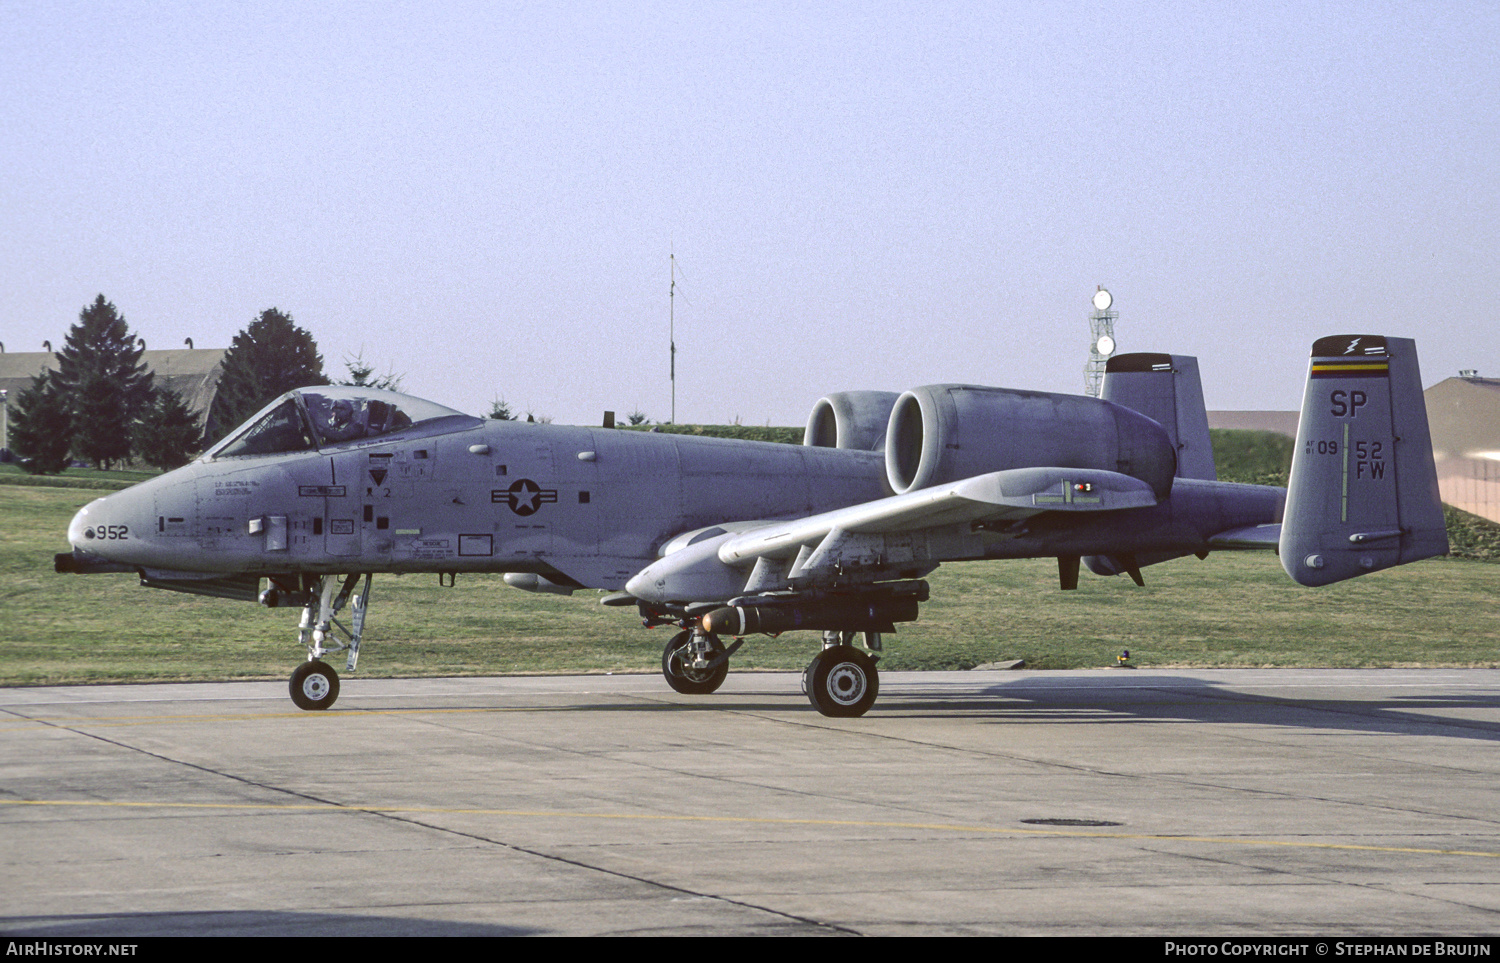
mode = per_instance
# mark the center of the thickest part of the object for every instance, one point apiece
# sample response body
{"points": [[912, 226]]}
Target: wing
{"points": [[901, 536]]}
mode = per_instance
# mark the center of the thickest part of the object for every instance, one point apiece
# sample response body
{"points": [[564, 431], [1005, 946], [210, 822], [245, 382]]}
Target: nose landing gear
{"points": [[315, 685]]}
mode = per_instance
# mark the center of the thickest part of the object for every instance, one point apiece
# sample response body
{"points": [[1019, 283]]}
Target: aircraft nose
{"points": [[81, 523], [642, 586], [112, 527]]}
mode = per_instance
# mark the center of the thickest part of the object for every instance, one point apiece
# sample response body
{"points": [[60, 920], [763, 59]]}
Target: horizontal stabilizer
{"points": [[1251, 536], [1363, 493]]}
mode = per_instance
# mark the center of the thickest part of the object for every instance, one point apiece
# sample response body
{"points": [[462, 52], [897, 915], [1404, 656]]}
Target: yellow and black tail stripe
{"points": [[1351, 368], [1350, 356]]}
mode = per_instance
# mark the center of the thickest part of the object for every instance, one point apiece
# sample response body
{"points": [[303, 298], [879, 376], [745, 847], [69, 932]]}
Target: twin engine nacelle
{"points": [[942, 433]]}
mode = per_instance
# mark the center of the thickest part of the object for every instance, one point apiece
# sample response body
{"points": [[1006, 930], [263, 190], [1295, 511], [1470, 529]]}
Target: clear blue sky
{"points": [[863, 195]]}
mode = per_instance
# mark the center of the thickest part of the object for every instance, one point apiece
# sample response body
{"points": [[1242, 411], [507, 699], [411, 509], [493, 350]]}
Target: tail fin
{"points": [[1166, 389], [1363, 494]]}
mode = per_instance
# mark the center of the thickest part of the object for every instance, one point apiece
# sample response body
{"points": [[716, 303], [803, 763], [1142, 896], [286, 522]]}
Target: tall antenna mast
{"points": [[672, 328]]}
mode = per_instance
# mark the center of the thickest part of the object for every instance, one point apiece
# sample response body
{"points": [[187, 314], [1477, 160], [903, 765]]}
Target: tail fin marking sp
{"points": [[1363, 491]]}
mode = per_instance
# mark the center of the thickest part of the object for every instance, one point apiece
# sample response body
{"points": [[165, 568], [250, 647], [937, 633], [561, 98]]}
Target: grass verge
{"points": [[1234, 609]]}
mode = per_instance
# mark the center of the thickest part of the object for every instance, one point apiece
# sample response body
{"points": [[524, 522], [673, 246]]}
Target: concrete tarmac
{"points": [[1242, 803]]}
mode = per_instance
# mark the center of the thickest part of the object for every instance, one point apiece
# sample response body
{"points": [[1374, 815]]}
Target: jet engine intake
{"points": [[944, 433], [850, 419]]}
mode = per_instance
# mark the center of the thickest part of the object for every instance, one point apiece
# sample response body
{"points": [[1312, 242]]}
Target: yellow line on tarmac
{"points": [[748, 820], [90, 722]]}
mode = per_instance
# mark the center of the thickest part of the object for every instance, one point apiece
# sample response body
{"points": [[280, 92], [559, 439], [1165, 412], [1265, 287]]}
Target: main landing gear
{"points": [[841, 681], [315, 685], [695, 662]]}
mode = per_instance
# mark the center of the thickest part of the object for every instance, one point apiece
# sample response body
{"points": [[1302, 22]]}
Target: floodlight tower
{"points": [[672, 332], [1101, 342]]}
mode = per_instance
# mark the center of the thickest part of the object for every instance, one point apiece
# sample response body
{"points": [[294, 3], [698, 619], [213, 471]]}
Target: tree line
{"points": [[101, 404]]}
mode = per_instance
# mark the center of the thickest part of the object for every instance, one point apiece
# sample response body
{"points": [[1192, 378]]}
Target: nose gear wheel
{"points": [[314, 685]]}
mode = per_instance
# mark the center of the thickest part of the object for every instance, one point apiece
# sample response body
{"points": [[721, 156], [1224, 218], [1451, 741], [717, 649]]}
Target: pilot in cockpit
{"points": [[341, 422]]}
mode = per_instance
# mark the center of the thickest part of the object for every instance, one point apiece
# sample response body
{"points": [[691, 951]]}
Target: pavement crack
{"points": [[618, 874], [407, 820], [183, 762]]}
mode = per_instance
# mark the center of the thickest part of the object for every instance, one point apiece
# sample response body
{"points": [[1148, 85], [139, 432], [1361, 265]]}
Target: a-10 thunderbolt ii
{"points": [[727, 539]]}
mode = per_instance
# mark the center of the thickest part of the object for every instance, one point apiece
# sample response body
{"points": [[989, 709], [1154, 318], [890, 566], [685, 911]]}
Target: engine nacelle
{"points": [[850, 419], [943, 433]]}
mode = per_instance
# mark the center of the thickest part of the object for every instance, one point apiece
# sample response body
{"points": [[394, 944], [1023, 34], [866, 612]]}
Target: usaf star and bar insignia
{"points": [[524, 496]]}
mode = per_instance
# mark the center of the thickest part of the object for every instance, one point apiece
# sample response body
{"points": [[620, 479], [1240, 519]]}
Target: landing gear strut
{"points": [[315, 685]]}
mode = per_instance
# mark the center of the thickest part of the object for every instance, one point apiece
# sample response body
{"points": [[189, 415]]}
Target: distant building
{"points": [[1464, 414], [1281, 422], [191, 372]]}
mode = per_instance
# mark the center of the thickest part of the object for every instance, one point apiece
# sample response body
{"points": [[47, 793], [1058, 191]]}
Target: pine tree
{"points": [[166, 433], [362, 374], [40, 426], [272, 355], [105, 383]]}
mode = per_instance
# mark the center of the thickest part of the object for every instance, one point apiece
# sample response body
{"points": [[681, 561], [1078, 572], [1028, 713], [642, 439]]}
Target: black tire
{"points": [[314, 686], [842, 682], [687, 680]]}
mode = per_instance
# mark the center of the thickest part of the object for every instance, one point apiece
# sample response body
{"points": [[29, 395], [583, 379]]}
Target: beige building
{"points": [[191, 372], [1464, 414], [1465, 417]]}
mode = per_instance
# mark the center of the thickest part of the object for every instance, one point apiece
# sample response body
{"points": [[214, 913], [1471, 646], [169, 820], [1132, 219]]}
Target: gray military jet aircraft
{"points": [[328, 485]]}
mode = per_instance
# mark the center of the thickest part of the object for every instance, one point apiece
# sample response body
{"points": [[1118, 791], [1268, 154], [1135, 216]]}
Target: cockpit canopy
{"points": [[318, 417]]}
